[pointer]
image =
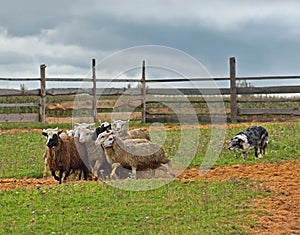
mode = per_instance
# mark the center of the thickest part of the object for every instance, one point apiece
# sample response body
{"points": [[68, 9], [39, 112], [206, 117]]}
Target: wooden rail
{"points": [[150, 109]]}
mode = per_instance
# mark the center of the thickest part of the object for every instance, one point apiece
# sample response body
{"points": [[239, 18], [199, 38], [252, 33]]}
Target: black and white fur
{"points": [[254, 137]]}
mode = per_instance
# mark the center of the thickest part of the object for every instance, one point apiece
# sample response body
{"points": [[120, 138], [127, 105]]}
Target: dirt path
{"points": [[282, 207]]}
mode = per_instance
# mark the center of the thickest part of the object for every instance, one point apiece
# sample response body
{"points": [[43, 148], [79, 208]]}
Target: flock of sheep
{"points": [[101, 151]]}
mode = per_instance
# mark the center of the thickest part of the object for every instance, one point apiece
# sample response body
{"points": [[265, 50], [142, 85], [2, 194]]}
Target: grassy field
{"points": [[93, 208], [21, 154], [202, 207]]}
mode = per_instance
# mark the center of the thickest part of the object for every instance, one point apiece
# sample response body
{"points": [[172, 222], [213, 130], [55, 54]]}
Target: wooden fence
{"points": [[151, 110]]}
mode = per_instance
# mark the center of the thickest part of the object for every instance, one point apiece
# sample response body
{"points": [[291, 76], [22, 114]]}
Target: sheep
{"points": [[62, 155], [46, 153], [121, 127], [137, 156], [103, 127], [96, 157], [81, 147]]}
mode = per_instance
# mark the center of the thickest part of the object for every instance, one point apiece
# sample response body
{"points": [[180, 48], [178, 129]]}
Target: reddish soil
{"points": [[281, 209]]}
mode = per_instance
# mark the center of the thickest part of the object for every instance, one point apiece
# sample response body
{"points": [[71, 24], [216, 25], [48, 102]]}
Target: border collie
{"points": [[254, 137]]}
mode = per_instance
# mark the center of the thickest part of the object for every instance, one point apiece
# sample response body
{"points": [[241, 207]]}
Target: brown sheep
{"points": [[62, 155], [137, 156]]}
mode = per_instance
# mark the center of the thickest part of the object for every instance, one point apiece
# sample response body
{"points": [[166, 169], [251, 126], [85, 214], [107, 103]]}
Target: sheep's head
{"points": [[109, 140], [70, 132], [52, 136], [103, 136], [119, 125], [85, 135], [82, 126], [102, 128]]}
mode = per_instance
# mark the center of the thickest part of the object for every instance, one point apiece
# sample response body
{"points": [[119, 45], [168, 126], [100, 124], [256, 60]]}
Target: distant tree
{"points": [[23, 87]]}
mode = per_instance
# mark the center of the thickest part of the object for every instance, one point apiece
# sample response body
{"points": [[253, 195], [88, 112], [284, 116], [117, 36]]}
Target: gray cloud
{"points": [[65, 35]]}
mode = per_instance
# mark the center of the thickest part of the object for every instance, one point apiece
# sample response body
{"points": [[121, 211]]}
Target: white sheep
{"points": [[120, 127], [137, 156], [96, 158]]}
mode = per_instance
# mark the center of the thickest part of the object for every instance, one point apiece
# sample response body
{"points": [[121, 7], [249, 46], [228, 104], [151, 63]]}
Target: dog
{"points": [[254, 137]]}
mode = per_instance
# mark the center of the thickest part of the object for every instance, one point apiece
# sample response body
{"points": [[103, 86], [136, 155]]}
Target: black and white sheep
{"points": [[62, 155], [137, 156], [100, 129]]}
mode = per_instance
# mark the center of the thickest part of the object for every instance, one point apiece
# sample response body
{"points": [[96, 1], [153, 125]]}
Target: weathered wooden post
{"points": [[94, 103], [233, 95], [42, 114], [144, 92]]}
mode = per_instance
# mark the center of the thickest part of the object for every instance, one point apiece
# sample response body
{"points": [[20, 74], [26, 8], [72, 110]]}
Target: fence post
{"points": [[233, 92], [144, 92], [42, 114], [94, 104]]}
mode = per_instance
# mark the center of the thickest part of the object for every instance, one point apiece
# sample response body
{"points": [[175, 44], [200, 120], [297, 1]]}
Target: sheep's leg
{"points": [[45, 165], [85, 173], [113, 171], [60, 175], [67, 174], [45, 168], [79, 174], [45, 171], [133, 168], [96, 168], [54, 175]]}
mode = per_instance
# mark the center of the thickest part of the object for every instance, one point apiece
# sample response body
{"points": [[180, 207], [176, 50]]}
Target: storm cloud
{"points": [[65, 35]]}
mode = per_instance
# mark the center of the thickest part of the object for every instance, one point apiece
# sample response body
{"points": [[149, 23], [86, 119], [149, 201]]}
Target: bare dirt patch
{"points": [[281, 209]]}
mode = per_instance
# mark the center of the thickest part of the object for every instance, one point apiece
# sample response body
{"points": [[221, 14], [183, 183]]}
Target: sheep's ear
{"points": [[59, 132], [44, 133], [91, 125]]}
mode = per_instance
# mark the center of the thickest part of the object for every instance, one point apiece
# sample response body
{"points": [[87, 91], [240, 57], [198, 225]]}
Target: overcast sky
{"points": [[264, 35]]}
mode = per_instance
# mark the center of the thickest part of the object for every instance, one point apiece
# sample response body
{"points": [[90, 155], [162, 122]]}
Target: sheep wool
{"points": [[62, 155], [138, 156]]}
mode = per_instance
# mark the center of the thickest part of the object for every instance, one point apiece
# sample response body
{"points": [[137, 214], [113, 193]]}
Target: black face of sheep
{"points": [[104, 127], [52, 138]]}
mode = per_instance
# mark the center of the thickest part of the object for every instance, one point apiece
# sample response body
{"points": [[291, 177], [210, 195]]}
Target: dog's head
{"points": [[238, 142]]}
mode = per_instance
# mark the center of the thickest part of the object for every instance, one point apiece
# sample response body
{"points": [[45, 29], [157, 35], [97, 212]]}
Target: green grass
{"points": [[21, 154], [201, 207], [92, 208], [283, 145]]}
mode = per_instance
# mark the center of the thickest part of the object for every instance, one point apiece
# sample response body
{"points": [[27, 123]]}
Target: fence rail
{"points": [[138, 100]]}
